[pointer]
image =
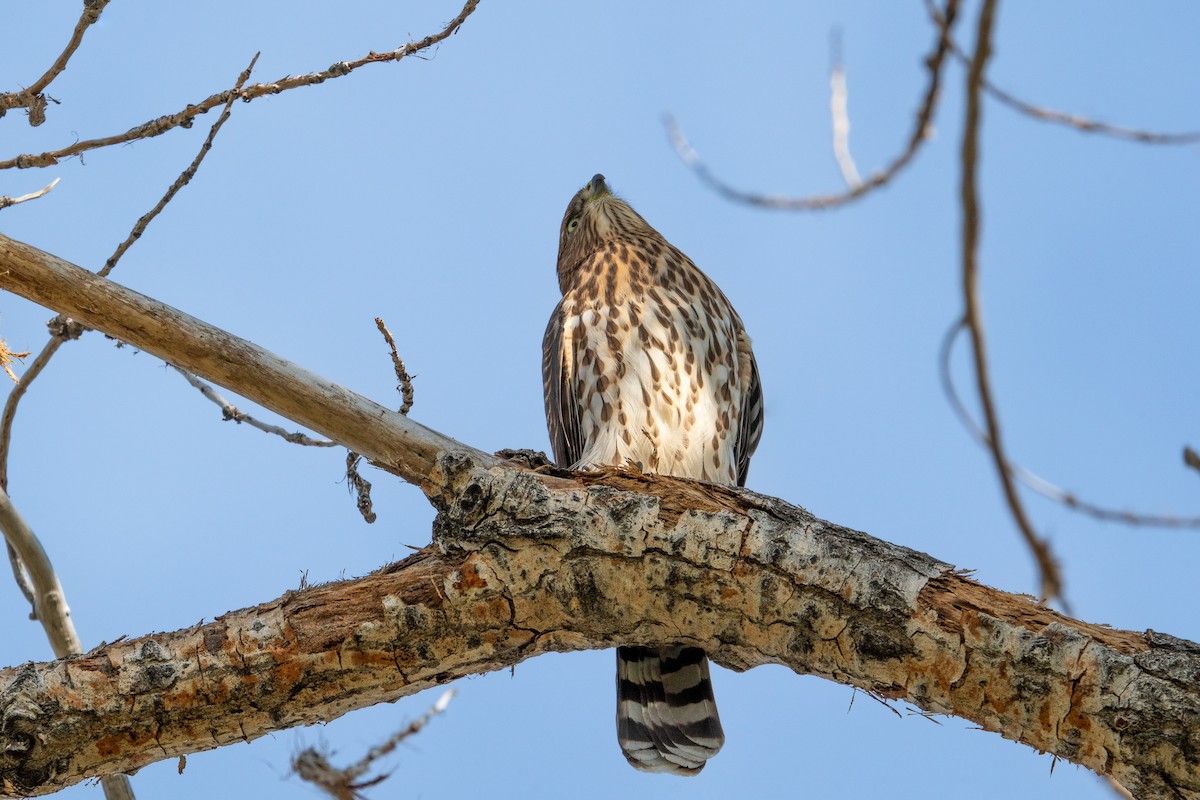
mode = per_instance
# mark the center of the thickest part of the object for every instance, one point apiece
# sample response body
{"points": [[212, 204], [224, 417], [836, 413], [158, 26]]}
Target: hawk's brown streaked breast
{"points": [[645, 360]]}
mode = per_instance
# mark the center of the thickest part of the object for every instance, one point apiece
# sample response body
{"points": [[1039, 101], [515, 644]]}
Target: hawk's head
{"points": [[595, 217]]}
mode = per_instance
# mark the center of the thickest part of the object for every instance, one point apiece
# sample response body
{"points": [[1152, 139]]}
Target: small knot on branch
{"points": [[65, 328]]}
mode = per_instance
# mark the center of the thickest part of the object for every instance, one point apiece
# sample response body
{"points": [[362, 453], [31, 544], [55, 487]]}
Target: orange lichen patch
{"points": [[108, 746], [368, 658], [969, 618], [288, 673], [1075, 718], [958, 600], [496, 608], [468, 577], [1044, 717], [935, 667], [66, 696], [188, 698]]}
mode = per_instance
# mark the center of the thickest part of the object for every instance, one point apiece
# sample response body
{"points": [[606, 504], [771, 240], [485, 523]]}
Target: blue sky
{"points": [[430, 193]]}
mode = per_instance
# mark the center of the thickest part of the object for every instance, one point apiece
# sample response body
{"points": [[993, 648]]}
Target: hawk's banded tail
{"points": [[667, 718]]}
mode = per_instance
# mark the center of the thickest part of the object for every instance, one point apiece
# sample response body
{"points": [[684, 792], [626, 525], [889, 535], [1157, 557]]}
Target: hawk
{"points": [[645, 361]]}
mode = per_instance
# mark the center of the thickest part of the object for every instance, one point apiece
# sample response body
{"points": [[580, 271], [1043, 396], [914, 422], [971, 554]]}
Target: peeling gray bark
{"points": [[527, 562]]}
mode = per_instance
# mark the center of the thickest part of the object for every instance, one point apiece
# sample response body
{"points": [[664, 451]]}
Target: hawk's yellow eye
{"points": [[572, 225]]}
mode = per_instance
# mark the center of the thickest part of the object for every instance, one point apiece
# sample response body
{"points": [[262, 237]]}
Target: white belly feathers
{"points": [[656, 378]]}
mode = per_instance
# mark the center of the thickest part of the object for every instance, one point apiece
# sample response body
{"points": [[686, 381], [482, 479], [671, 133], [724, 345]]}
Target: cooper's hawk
{"points": [[645, 361]]}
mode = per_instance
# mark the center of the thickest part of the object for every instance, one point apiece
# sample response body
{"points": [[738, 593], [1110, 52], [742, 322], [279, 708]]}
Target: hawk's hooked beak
{"points": [[597, 187]]}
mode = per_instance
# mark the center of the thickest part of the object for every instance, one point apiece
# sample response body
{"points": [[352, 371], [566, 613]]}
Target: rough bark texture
{"points": [[526, 563]]}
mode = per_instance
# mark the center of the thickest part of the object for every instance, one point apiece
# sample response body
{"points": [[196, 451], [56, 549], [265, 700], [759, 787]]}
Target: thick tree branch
{"points": [[389, 440], [526, 563]]}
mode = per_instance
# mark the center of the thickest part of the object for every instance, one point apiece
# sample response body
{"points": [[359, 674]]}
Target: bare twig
{"points": [[918, 135], [184, 178], [839, 114], [1031, 479], [31, 97], [6, 201], [360, 486], [346, 784], [62, 329], [184, 117], [14, 399], [231, 412], [1051, 579], [405, 388], [1085, 125], [1075, 121]]}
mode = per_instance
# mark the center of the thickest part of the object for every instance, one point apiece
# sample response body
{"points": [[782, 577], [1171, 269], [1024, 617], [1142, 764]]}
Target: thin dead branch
{"points": [[360, 486], [1031, 479], [14, 400], [346, 784], [1085, 125], [231, 412], [32, 97], [919, 134], [184, 178], [184, 117], [838, 112], [1079, 123], [405, 386], [1051, 578], [6, 201]]}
